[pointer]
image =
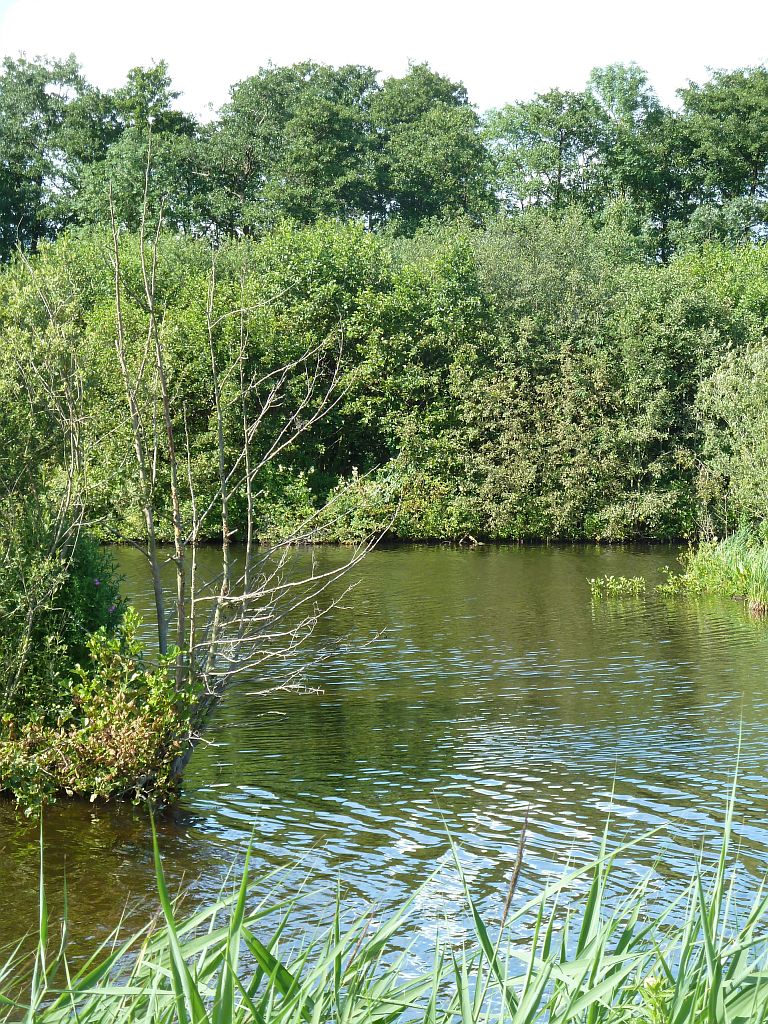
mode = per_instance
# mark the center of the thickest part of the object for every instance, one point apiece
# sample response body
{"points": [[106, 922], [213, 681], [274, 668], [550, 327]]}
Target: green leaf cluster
{"points": [[122, 731]]}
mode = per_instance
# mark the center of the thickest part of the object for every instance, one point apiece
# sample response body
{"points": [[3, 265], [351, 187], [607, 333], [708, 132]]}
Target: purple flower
{"points": [[97, 583], [112, 608]]}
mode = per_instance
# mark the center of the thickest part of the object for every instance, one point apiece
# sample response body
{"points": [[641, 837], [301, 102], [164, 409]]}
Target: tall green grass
{"points": [[736, 566], [557, 957]]}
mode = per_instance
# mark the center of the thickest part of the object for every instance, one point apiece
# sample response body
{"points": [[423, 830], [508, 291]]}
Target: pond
{"points": [[462, 690]]}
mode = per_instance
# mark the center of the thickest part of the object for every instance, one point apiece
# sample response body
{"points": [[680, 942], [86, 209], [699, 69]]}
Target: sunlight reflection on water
{"points": [[497, 689]]}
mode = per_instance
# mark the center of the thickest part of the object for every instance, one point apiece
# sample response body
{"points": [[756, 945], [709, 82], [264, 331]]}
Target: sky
{"points": [[502, 51]]}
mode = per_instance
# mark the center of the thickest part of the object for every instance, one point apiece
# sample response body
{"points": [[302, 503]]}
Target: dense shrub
{"points": [[537, 378], [733, 408], [52, 599], [120, 732]]}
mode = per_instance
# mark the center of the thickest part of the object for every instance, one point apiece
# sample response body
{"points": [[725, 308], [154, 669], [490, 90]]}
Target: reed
{"points": [[559, 957], [736, 566]]}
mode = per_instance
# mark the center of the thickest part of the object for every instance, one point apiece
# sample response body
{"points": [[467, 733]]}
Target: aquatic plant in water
{"points": [[616, 585]]}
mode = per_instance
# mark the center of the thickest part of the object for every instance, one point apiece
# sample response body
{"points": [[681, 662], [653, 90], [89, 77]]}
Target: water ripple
{"points": [[496, 690]]}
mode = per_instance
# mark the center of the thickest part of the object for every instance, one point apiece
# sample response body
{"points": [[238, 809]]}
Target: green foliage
{"points": [[736, 566], [732, 404], [545, 148], [35, 99], [147, 99], [63, 143], [611, 145], [310, 141], [51, 600], [120, 733], [728, 124], [565, 422], [615, 586], [293, 142], [573, 952], [303, 291], [532, 379], [431, 161], [363, 506], [168, 163]]}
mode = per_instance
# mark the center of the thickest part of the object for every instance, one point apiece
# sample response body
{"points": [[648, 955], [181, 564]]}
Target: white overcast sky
{"points": [[502, 51]]}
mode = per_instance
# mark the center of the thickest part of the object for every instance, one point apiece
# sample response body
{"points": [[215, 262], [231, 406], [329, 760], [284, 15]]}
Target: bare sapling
{"points": [[257, 607]]}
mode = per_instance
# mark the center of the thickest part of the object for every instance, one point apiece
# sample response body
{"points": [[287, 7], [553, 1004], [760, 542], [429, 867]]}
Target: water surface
{"points": [[461, 691]]}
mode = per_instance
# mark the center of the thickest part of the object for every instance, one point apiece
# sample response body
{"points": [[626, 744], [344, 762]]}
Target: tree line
{"points": [[310, 141], [537, 378]]}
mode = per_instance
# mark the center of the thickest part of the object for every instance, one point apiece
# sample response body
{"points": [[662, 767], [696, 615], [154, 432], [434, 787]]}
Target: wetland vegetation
{"points": [[350, 310], [581, 957]]}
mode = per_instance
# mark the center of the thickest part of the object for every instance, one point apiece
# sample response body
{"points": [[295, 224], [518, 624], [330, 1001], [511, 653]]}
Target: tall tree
{"points": [[34, 97], [545, 149], [430, 155], [293, 142], [643, 156], [146, 100], [727, 123], [121, 143]]}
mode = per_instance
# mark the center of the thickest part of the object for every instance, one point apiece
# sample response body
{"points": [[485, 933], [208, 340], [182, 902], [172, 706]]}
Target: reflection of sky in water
{"points": [[498, 688]]}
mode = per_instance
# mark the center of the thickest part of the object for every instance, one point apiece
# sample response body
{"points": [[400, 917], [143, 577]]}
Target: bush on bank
{"points": [[534, 379], [50, 606], [81, 709], [119, 733]]}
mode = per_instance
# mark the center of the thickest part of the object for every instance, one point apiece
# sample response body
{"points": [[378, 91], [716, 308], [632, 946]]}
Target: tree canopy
{"points": [[311, 141]]}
